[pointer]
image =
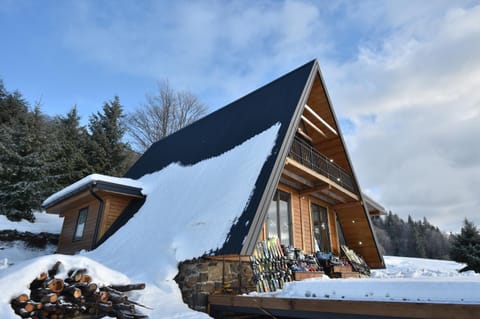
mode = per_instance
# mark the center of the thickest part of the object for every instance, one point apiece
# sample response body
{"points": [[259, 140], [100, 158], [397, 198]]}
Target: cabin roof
{"points": [[118, 185], [374, 207]]}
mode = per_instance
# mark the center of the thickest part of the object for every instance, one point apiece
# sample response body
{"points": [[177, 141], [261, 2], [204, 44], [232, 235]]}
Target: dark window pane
{"points": [[81, 221]]}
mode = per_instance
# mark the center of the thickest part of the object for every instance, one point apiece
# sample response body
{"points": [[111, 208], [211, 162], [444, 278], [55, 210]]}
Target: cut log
{"points": [[85, 278], [30, 306], [22, 312], [130, 287], [51, 298], [56, 285], [52, 272], [103, 296], [73, 291], [124, 306], [23, 298], [76, 274], [39, 281], [43, 295], [105, 307]]}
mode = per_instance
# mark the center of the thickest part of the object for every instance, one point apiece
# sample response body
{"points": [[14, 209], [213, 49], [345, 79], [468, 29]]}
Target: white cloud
{"points": [[421, 85]]}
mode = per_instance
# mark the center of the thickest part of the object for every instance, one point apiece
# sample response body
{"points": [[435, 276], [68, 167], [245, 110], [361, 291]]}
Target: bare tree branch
{"points": [[163, 114]]}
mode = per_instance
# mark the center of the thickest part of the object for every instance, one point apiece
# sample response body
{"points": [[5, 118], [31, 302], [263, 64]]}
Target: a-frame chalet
{"points": [[306, 193]]}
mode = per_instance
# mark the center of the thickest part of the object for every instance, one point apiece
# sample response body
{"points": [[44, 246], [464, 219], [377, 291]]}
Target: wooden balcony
{"points": [[306, 155]]}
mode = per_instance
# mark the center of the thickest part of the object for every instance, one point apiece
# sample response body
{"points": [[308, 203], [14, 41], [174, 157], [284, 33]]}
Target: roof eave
{"points": [[98, 185]]}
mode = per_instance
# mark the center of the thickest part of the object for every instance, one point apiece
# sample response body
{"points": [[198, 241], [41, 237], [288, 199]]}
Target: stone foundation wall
{"points": [[198, 278]]}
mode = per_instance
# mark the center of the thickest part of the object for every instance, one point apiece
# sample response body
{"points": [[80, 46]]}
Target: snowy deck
{"points": [[314, 308]]}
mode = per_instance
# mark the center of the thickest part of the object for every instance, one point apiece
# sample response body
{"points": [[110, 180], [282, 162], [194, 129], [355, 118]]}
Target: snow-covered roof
{"points": [[126, 184]]}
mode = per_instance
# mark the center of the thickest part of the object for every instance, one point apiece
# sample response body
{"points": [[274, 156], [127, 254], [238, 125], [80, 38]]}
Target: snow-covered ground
{"points": [[180, 220], [47, 223], [16, 251], [403, 280]]}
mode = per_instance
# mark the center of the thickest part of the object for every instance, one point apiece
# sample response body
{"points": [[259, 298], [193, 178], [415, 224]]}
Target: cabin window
{"points": [[81, 221], [320, 228], [278, 218]]}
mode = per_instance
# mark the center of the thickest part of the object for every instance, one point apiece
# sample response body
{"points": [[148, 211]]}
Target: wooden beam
{"points": [[315, 189], [302, 133], [307, 121], [320, 177], [296, 178], [333, 195], [320, 119]]}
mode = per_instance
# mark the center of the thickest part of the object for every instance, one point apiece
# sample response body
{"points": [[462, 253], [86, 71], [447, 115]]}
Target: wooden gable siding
{"points": [[302, 231], [357, 233], [66, 244], [114, 206]]}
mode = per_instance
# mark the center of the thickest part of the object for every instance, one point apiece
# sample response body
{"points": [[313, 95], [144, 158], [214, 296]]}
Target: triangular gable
{"points": [[316, 120]]}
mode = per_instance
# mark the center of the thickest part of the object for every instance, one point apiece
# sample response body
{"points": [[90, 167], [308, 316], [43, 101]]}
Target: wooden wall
{"points": [[66, 244], [301, 218], [114, 204]]}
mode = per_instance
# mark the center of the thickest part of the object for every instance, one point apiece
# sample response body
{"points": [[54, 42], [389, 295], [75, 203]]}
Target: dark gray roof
{"points": [[228, 127]]}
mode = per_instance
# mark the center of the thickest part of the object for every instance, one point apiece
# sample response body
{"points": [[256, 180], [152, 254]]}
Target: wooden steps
{"points": [[338, 271], [301, 275]]}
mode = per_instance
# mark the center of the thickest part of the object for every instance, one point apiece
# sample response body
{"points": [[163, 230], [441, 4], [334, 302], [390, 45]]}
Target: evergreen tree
{"points": [[466, 246], [24, 160], [72, 164], [411, 238], [107, 154]]}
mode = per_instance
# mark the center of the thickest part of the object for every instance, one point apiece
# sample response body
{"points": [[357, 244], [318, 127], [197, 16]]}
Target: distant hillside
{"points": [[410, 238]]}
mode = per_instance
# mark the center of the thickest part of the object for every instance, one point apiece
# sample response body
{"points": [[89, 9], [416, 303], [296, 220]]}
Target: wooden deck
{"points": [[229, 306]]}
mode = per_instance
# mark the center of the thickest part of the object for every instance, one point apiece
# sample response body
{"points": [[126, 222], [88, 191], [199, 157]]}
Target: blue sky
{"points": [[403, 75]]}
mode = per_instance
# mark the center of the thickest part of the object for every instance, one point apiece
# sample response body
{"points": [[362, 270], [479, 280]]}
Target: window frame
{"points": [[277, 197], [327, 225], [81, 212]]}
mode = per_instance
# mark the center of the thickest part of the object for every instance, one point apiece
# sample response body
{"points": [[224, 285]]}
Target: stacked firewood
{"points": [[75, 296]]}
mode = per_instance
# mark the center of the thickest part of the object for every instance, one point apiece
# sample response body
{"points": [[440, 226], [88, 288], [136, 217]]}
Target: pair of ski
{"points": [[270, 271]]}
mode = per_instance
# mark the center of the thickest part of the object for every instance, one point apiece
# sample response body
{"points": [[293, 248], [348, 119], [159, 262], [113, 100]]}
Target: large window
{"points": [[278, 219], [81, 221], [320, 228]]}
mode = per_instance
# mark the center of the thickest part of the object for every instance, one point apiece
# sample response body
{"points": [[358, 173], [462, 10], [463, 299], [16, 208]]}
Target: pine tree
{"points": [[411, 238], [466, 246], [25, 161], [107, 154], [72, 145]]}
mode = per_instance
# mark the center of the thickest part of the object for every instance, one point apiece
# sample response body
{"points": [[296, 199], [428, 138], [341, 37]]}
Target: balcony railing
{"points": [[306, 155]]}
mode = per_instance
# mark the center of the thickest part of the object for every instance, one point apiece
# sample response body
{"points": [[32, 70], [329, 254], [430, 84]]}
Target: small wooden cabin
{"points": [[89, 207], [306, 194]]}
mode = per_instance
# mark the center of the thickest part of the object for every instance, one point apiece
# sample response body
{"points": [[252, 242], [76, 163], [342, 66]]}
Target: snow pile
{"points": [[47, 223], [188, 211], [401, 267], [403, 280], [12, 252], [91, 179]]}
